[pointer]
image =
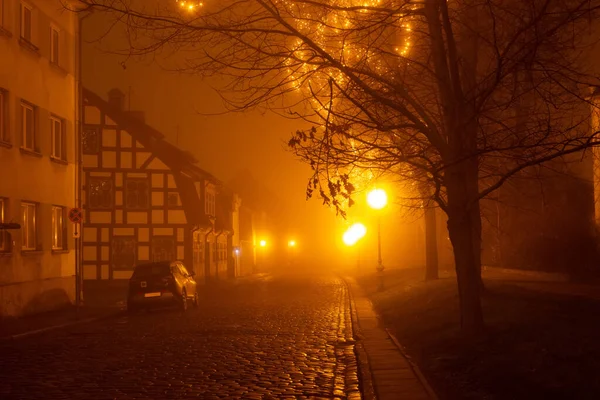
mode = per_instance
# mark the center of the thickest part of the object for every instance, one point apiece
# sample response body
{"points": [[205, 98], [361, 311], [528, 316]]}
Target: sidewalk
{"points": [[17, 327], [386, 374]]}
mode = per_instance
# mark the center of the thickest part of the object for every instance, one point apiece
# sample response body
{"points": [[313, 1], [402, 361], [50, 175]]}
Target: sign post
{"points": [[76, 217]]}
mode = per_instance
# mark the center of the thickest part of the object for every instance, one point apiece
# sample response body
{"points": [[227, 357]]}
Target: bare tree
{"points": [[457, 96]]}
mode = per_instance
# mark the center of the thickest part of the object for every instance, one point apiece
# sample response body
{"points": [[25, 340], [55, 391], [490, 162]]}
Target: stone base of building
{"points": [[104, 292], [42, 295]]}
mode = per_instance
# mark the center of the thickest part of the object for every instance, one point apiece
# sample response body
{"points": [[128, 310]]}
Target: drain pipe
{"points": [[218, 261]]}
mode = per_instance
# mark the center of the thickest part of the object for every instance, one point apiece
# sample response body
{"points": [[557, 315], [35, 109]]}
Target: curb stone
{"points": [[55, 327], [364, 370], [415, 368]]}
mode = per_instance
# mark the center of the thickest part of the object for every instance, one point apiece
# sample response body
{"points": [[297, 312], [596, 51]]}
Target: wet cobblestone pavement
{"points": [[280, 337]]}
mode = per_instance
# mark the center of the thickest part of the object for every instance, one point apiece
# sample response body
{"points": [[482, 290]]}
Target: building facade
{"points": [[38, 106], [146, 200]]}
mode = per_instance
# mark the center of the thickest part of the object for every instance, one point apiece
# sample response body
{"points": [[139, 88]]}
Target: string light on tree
{"points": [[190, 5]]}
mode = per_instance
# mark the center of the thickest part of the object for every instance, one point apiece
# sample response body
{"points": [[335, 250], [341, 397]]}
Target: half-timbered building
{"points": [[145, 200]]}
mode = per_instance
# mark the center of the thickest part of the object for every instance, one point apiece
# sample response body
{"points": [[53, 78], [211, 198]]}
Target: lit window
{"points": [[26, 16], [58, 228], [29, 227], [58, 138], [54, 44], [137, 193], [28, 126], [100, 193]]}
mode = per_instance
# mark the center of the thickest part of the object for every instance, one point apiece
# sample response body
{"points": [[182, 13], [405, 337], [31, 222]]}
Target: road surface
{"points": [[273, 338]]}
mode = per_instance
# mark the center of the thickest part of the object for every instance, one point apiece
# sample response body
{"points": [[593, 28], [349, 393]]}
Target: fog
{"points": [[191, 115]]}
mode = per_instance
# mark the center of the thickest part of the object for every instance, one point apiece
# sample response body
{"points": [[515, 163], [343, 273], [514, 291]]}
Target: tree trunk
{"points": [[462, 224], [476, 220], [431, 248]]}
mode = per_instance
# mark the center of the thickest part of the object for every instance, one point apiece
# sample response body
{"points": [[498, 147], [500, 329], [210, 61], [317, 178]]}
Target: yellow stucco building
{"points": [[38, 107]]}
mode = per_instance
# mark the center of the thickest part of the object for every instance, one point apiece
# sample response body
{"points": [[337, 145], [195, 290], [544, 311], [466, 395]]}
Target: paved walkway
{"points": [[386, 373], [11, 327]]}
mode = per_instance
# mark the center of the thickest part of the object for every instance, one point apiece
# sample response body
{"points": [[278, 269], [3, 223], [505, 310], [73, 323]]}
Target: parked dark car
{"points": [[161, 284]]}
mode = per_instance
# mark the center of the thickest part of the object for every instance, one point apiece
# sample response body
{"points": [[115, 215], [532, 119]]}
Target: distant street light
{"points": [[292, 243], [377, 199], [263, 243]]}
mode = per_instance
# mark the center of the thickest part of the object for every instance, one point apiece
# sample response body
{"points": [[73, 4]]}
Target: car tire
{"points": [[184, 300], [196, 300]]}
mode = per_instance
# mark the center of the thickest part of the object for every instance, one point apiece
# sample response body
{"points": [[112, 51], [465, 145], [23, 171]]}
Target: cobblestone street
{"points": [[278, 337]]}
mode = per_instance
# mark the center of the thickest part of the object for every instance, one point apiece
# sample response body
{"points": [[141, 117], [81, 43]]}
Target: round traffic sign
{"points": [[75, 215]]}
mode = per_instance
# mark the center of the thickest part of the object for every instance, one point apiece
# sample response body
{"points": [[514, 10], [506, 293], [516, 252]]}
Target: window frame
{"points": [[119, 243], [126, 183], [86, 150], [25, 245], [54, 47], [209, 203], [2, 12], [53, 136], [4, 115], [92, 179], [25, 6], [4, 246], [28, 106], [58, 233]]}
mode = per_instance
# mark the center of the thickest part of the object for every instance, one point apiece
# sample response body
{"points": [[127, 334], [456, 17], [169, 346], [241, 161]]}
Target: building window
{"points": [[123, 252], [26, 22], [28, 126], [137, 193], [58, 228], [101, 193], [29, 226], [4, 236], [58, 138], [3, 115], [163, 248], [209, 203], [91, 141], [54, 44]]}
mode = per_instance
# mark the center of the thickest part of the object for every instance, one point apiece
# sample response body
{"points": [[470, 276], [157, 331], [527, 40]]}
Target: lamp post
{"points": [[353, 235], [262, 244], [377, 199]]}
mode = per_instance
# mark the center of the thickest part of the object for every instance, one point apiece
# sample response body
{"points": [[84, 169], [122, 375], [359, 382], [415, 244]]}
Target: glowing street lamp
{"points": [[377, 199], [354, 233], [292, 243], [263, 243]]}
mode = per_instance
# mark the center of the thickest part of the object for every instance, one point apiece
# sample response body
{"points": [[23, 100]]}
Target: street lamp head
{"points": [[377, 199], [263, 243], [354, 234], [349, 238], [292, 243], [359, 230]]}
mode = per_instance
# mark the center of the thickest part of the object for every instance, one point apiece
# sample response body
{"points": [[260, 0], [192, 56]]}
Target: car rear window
{"points": [[151, 270]]}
